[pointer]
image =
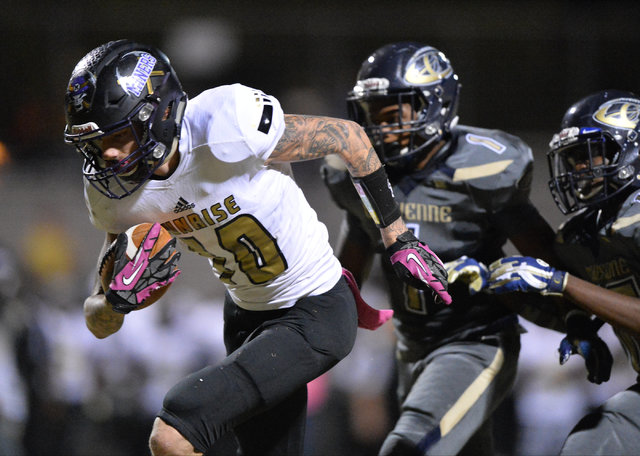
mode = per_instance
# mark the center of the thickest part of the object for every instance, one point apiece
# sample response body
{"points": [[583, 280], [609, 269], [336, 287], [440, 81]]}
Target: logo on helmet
{"points": [[134, 83], [80, 90], [619, 113], [426, 67]]}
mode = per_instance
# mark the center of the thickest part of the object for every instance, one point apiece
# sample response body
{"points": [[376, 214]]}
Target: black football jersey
{"points": [[469, 202], [605, 250]]}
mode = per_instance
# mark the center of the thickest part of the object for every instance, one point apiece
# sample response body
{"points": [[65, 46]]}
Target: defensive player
{"points": [[466, 189], [594, 162], [213, 171]]}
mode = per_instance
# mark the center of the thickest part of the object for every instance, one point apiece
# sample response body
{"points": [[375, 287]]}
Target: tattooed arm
{"points": [[99, 316], [311, 137]]}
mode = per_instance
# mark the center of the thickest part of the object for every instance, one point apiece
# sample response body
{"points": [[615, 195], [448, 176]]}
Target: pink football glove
{"points": [[134, 280], [419, 267]]}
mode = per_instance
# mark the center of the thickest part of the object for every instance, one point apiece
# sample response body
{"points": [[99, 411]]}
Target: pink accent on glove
{"points": [[419, 269], [144, 294], [368, 317], [128, 277], [133, 271]]}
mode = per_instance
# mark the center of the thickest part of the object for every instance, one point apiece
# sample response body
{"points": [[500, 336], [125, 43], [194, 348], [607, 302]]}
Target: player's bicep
{"points": [[311, 137], [295, 142]]}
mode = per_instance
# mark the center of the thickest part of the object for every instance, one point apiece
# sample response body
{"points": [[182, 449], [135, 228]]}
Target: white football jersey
{"points": [[252, 221]]}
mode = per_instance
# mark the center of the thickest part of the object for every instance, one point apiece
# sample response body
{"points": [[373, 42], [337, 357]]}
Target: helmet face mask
{"points": [[120, 177], [594, 158], [400, 130], [584, 171], [118, 87], [419, 81]]}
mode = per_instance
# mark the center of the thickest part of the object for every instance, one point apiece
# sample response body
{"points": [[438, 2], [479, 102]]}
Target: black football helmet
{"points": [[397, 74], [124, 85], [595, 156]]}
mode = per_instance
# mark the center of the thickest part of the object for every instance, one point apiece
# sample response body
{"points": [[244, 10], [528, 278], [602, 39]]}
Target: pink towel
{"points": [[368, 317]]}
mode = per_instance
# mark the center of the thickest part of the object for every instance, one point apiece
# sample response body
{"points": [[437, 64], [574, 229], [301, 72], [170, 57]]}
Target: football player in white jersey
{"points": [[214, 172]]}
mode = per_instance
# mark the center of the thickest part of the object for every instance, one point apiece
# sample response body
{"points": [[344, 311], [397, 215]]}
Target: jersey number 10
{"points": [[255, 251]]}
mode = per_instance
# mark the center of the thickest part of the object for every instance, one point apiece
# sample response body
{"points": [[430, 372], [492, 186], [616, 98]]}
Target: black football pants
{"points": [[259, 389]]}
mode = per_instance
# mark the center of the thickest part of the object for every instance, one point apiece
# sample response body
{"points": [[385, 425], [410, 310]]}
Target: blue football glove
{"points": [[526, 274], [469, 271], [582, 339]]}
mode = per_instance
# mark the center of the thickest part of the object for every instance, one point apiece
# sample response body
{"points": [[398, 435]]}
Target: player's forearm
{"points": [[357, 152], [614, 308], [391, 232], [101, 320], [310, 137], [362, 160]]}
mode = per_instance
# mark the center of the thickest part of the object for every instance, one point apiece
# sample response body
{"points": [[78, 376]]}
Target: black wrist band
{"points": [[376, 195]]}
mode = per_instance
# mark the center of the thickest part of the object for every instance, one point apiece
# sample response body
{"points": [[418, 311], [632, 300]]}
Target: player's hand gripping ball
{"points": [[139, 267]]}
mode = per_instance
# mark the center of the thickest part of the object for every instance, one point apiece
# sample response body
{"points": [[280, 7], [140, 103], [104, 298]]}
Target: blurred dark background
{"points": [[521, 65]]}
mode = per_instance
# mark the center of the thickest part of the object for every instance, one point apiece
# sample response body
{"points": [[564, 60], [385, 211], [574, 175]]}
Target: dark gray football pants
{"points": [[447, 398], [612, 429]]}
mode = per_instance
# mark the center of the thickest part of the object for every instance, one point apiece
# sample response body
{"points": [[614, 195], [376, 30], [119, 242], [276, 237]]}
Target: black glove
{"points": [[134, 280], [582, 339], [418, 266]]}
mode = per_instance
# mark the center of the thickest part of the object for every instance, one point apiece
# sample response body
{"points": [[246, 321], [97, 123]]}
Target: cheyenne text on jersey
{"points": [[413, 212]]}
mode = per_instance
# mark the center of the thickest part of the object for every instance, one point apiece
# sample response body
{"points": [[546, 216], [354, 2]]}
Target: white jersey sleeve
{"points": [[246, 122]]}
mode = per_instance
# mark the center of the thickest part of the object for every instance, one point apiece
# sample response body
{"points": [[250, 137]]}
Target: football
{"points": [[135, 236]]}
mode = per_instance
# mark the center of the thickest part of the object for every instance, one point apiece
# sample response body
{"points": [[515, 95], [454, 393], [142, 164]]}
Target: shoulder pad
{"points": [[489, 158], [493, 165], [627, 222], [236, 122]]}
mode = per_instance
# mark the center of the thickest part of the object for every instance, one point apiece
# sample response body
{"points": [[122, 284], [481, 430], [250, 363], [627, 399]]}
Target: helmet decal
{"points": [[621, 113], [81, 90], [134, 83], [426, 67]]}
